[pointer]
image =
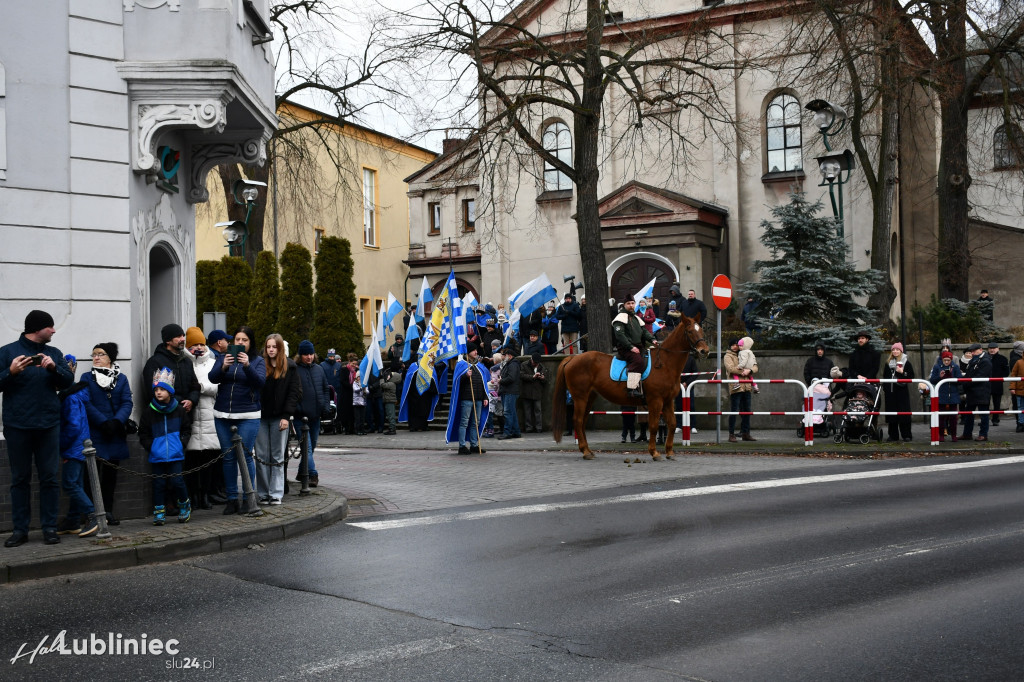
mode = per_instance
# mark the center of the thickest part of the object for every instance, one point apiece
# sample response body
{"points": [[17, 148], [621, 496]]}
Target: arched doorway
{"points": [[163, 291], [636, 273]]}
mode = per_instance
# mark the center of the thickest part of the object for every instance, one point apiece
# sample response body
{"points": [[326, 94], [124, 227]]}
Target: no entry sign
{"points": [[721, 291]]}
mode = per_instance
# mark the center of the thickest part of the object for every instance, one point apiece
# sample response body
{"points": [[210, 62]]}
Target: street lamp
{"points": [[835, 167], [236, 232]]}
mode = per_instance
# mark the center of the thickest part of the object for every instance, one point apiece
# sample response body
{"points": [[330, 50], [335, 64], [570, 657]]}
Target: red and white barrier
{"points": [[686, 401]]}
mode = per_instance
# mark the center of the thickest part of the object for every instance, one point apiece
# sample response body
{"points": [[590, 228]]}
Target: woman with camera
{"points": [[109, 410], [240, 377], [949, 394]]}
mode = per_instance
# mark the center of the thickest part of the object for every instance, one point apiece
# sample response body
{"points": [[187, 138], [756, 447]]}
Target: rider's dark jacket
{"points": [[629, 331]]}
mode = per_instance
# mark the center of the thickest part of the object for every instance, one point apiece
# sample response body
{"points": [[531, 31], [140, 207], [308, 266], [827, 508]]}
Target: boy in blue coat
{"points": [[74, 431], [164, 428]]}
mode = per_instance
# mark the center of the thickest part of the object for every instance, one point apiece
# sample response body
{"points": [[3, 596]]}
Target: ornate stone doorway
{"points": [[634, 274]]}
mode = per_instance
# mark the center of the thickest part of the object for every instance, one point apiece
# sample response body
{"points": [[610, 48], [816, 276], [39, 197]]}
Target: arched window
{"points": [[1007, 147], [782, 124], [558, 141]]}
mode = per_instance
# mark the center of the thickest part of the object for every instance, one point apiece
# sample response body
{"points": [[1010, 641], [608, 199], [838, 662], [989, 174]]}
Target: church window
{"points": [[782, 124]]}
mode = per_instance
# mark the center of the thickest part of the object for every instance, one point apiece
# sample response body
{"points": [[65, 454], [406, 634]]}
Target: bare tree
{"points": [[666, 84], [336, 84]]}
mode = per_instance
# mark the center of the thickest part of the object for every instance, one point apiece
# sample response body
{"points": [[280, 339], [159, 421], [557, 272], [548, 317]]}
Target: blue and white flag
{"points": [[372, 361], [646, 292], [532, 295], [394, 310], [382, 324], [413, 332], [439, 343], [469, 304], [458, 314], [425, 297], [656, 325]]}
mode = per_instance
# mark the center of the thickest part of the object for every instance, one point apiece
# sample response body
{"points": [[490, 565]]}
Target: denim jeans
{"points": [[739, 402], [508, 404], [314, 437], [1018, 404], [468, 420], [247, 429], [271, 447], [71, 477], [41, 446], [175, 482]]}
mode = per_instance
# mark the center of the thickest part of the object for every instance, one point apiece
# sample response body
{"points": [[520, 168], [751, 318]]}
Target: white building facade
{"points": [[111, 114]]}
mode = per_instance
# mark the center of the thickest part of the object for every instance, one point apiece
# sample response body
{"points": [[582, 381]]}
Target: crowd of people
{"points": [[197, 393]]}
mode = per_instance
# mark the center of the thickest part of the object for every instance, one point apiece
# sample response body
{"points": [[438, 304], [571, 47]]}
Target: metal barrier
{"points": [[686, 401], [934, 402]]}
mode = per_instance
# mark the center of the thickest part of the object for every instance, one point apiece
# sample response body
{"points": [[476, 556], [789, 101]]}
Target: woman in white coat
{"points": [[203, 447]]}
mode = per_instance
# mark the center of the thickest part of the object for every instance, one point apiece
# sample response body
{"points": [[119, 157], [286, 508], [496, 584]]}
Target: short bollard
{"points": [[97, 494], [249, 504], [304, 458]]}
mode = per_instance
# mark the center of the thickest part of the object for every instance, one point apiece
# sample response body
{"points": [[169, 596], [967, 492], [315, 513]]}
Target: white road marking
{"points": [[675, 494], [362, 659]]}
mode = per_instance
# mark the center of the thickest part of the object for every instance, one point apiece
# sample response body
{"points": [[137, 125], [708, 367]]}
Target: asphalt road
{"points": [[821, 574]]}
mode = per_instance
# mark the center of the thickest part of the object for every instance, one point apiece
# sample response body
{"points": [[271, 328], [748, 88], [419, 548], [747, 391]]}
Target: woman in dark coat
{"points": [[897, 396], [109, 408]]}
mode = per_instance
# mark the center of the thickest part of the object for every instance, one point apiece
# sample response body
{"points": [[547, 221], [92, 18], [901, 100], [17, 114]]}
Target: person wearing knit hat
{"points": [[897, 396], [33, 372], [171, 354], [949, 394], [194, 336], [218, 340], [110, 409], [37, 320], [316, 396]]}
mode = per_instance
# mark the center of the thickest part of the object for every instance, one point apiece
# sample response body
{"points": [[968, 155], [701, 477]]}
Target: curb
{"points": [[171, 550]]}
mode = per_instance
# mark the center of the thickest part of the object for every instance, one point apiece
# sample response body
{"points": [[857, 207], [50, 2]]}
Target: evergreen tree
{"points": [[233, 283], [265, 294], [335, 323], [808, 290], [295, 312], [206, 289]]}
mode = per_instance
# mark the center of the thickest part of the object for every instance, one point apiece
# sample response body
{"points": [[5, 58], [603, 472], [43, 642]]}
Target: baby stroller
{"points": [[329, 416], [855, 425], [824, 424]]}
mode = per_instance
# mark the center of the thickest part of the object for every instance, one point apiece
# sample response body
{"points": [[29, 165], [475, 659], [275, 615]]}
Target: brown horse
{"points": [[585, 374]]}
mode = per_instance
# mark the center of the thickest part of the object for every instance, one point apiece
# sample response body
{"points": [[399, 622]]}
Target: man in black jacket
{"points": [[316, 395], [509, 387], [171, 353], [978, 392], [865, 361], [817, 366], [1000, 368], [31, 373]]}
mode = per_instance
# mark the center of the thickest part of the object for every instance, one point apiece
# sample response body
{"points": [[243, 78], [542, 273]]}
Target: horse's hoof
{"points": [[655, 457], [588, 455], [672, 457]]}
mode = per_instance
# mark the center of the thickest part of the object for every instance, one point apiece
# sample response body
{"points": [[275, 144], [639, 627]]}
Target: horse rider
{"points": [[631, 340]]}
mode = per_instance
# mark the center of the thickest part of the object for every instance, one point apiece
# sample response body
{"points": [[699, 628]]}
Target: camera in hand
{"points": [[37, 359]]}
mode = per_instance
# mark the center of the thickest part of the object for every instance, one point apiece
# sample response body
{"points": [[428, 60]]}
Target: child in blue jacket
{"points": [[74, 431], [164, 428]]}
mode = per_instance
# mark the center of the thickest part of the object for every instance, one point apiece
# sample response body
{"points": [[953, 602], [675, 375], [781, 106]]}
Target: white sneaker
{"points": [[693, 430], [274, 501]]}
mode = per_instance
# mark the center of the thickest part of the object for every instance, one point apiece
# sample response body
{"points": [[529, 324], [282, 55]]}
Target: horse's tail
{"points": [[558, 402]]}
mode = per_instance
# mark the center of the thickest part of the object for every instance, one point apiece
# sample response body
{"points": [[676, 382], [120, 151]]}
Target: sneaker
{"points": [[159, 514], [69, 526], [274, 502], [264, 501], [184, 511], [90, 527]]}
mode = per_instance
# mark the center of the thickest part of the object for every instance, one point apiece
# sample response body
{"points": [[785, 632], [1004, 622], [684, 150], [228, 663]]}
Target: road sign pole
{"points": [[721, 294]]}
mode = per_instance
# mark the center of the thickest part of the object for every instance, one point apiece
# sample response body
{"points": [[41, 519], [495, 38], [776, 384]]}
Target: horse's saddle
{"points": [[618, 369]]}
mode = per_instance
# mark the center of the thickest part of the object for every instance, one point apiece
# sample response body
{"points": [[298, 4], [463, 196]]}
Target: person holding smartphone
{"points": [[31, 373], [240, 377]]}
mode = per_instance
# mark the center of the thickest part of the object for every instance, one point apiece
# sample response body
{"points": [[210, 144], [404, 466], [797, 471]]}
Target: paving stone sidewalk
{"points": [[137, 541]]}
